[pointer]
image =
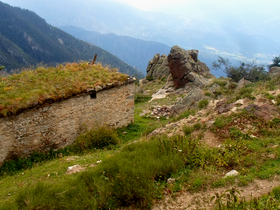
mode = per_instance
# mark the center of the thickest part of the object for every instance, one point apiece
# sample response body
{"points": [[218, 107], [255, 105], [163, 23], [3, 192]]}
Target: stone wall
{"points": [[56, 125]]}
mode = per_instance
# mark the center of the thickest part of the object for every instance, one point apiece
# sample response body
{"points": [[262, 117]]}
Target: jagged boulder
{"points": [[158, 67], [185, 68], [274, 72], [190, 101], [242, 83]]}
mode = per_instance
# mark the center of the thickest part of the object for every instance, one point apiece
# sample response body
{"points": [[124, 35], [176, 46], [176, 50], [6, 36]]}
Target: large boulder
{"points": [[186, 68], [158, 67], [274, 72]]}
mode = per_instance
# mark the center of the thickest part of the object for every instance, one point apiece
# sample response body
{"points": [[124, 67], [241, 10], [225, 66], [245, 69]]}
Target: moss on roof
{"points": [[35, 87]]}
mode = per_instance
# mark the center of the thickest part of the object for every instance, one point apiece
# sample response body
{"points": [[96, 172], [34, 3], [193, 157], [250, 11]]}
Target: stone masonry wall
{"points": [[56, 125]]}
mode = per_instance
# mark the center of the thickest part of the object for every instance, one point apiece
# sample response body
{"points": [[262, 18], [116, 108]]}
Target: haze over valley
{"points": [[238, 30]]}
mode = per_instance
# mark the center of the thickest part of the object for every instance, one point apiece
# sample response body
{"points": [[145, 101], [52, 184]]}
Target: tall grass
{"points": [[127, 178]]}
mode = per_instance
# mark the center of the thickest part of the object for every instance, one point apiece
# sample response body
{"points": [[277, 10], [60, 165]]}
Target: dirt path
{"points": [[186, 200]]}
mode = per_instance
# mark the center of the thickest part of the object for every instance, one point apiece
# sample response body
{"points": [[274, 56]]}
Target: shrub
{"points": [[209, 94], [149, 78], [188, 129], [197, 126], [220, 82], [248, 71], [95, 138], [203, 103], [278, 99]]}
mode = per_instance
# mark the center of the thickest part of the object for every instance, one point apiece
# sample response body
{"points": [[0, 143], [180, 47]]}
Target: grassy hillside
{"points": [[160, 158], [26, 39]]}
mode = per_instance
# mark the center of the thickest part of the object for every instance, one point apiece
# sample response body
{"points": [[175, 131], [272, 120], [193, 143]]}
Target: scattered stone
{"points": [[242, 83], [160, 94], [161, 111], [69, 159], [171, 180], [272, 156], [214, 87], [98, 88], [252, 136], [74, 169], [190, 101], [99, 161], [9, 123], [210, 123], [139, 90], [231, 173], [265, 111]]}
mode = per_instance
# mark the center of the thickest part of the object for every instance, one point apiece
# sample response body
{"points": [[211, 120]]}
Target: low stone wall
{"points": [[56, 125]]}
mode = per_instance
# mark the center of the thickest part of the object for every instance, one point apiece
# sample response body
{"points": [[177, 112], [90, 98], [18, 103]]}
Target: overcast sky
{"points": [[193, 7]]}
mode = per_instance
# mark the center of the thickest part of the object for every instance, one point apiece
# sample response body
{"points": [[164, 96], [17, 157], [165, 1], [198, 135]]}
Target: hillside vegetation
{"points": [[30, 87], [26, 39], [166, 157]]}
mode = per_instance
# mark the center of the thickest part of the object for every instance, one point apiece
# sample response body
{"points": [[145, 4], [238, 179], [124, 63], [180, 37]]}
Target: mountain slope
{"points": [[133, 51], [227, 34], [26, 39]]}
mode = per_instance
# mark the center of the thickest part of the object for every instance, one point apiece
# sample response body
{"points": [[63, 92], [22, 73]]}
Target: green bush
{"points": [[220, 82], [203, 103], [209, 94], [197, 126], [188, 129], [249, 71], [277, 98], [95, 139], [149, 78]]}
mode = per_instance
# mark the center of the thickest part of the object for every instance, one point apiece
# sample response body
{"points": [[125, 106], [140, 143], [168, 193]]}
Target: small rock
{"points": [[124, 133], [98, 88], [99, 161], [231, 173], [171, 180], [9, 123], [272, 156], [252, 136], [74, 169]]}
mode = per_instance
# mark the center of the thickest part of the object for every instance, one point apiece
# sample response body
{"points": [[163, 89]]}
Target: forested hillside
{"points": [[135, 52], [26, 39]]}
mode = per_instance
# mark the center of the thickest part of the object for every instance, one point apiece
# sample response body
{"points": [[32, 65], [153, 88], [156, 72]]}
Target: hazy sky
{"points": [[206, 6], [147, 5]]}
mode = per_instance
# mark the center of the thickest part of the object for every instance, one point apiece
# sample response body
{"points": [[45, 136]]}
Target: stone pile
{"points": [[163, 111]]}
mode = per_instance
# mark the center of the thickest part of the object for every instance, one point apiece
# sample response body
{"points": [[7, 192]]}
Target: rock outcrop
{"points": [[190, 101], [158, 67], [186, 68], [274, 72]]}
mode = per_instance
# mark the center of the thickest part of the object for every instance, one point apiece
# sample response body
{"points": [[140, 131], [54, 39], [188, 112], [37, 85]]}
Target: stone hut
{"points": [[56, 125]]}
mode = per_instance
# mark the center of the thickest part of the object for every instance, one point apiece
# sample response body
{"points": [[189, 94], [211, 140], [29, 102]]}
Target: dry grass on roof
{"points": [[34, 87]]}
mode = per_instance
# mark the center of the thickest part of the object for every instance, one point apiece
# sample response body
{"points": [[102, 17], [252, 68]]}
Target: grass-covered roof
{"points": [[34, 87]]}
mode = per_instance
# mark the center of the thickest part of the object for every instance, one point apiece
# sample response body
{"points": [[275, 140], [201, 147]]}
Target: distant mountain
{"points": [[26, 39], [244, 36], [133, 51]]}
